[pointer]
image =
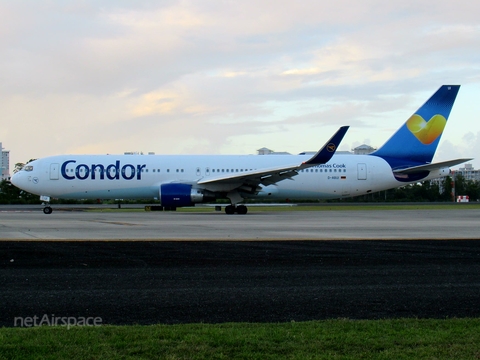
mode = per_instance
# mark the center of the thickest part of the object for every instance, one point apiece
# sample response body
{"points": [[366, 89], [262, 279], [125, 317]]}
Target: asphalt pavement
{"points": [[149, 282]]}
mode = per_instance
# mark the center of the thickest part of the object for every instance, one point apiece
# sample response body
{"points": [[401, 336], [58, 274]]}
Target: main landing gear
{"points": [[232, 209], [235, 198]]}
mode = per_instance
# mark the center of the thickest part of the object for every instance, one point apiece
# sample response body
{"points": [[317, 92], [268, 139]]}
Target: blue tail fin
{"points": [[416, 141]]}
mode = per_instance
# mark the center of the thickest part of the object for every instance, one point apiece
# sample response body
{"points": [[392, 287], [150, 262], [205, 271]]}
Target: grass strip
{"points": [[328, 339]]}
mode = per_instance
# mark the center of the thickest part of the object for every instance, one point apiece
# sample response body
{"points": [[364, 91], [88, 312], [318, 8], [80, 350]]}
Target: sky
{"points": [[231, 77]]}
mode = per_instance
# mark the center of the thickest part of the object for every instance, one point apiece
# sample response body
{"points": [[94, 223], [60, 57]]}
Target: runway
{"points": [[147, 268], [458, 223]]}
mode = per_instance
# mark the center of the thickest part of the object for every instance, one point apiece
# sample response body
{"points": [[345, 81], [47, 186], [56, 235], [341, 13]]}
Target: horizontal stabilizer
{"points": [[430, 167]]}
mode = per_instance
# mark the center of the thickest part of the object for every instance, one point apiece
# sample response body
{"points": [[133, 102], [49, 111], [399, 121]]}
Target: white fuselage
{"points": [[140, 176]]}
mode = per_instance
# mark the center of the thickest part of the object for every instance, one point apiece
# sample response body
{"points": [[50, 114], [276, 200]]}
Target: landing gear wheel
{"points": [[47, 210], [242, 209], [232, 209]]}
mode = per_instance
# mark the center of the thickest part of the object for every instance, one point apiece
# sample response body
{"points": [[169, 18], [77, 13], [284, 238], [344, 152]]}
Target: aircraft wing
{"points": [[430, 167], [250, 180]]}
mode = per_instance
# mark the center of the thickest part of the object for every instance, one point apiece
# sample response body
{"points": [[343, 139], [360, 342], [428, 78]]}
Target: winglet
{"points": [[326, 152]]}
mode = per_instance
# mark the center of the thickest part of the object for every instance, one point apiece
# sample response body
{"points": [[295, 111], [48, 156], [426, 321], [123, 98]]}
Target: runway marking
{"points": [[114, 222]]}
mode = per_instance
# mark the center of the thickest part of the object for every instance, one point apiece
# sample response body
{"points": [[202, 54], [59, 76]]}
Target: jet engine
{"points": [[177, 195]]}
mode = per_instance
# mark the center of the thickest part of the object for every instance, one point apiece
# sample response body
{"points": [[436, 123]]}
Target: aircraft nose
{"points": [[14, 179], [17, 179]]}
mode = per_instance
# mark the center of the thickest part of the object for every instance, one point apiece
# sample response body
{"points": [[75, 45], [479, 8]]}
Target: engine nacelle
{"points": [[445, 171], [178, 195]]}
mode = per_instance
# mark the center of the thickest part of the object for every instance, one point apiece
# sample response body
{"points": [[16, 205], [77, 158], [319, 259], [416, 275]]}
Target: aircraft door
{"points": [[54, 171], [207, 171], [361, 171]]}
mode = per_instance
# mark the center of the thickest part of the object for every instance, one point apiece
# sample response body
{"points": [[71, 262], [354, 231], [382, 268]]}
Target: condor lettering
{"points": [[100, 171]]}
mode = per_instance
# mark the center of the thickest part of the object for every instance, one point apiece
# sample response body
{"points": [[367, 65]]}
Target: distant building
{"points": [[137, 153], [5, 164], [468, 172], [265, 151], [363, 150]]}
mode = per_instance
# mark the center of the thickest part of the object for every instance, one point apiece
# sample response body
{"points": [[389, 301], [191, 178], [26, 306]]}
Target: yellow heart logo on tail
{"points": [[426, 132]]}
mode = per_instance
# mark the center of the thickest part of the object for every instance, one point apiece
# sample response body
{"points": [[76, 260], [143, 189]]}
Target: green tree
{"points": [[447, 189], [472, 189], [460, 184], [18, 167], [429, 192], [10, 194]]}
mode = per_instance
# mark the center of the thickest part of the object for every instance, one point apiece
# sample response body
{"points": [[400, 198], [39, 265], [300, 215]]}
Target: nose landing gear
{"points": [[47, 209]]}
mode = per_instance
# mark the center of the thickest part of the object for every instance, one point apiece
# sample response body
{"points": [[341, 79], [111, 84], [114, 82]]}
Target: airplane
{"points": [[186, 180]]}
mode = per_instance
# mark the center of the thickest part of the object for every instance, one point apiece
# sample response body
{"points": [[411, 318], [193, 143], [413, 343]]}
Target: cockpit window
{"points": [[28, 168]]}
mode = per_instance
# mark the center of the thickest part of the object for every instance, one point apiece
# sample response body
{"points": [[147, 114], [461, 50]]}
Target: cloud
{"points": [[186, 76]]}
